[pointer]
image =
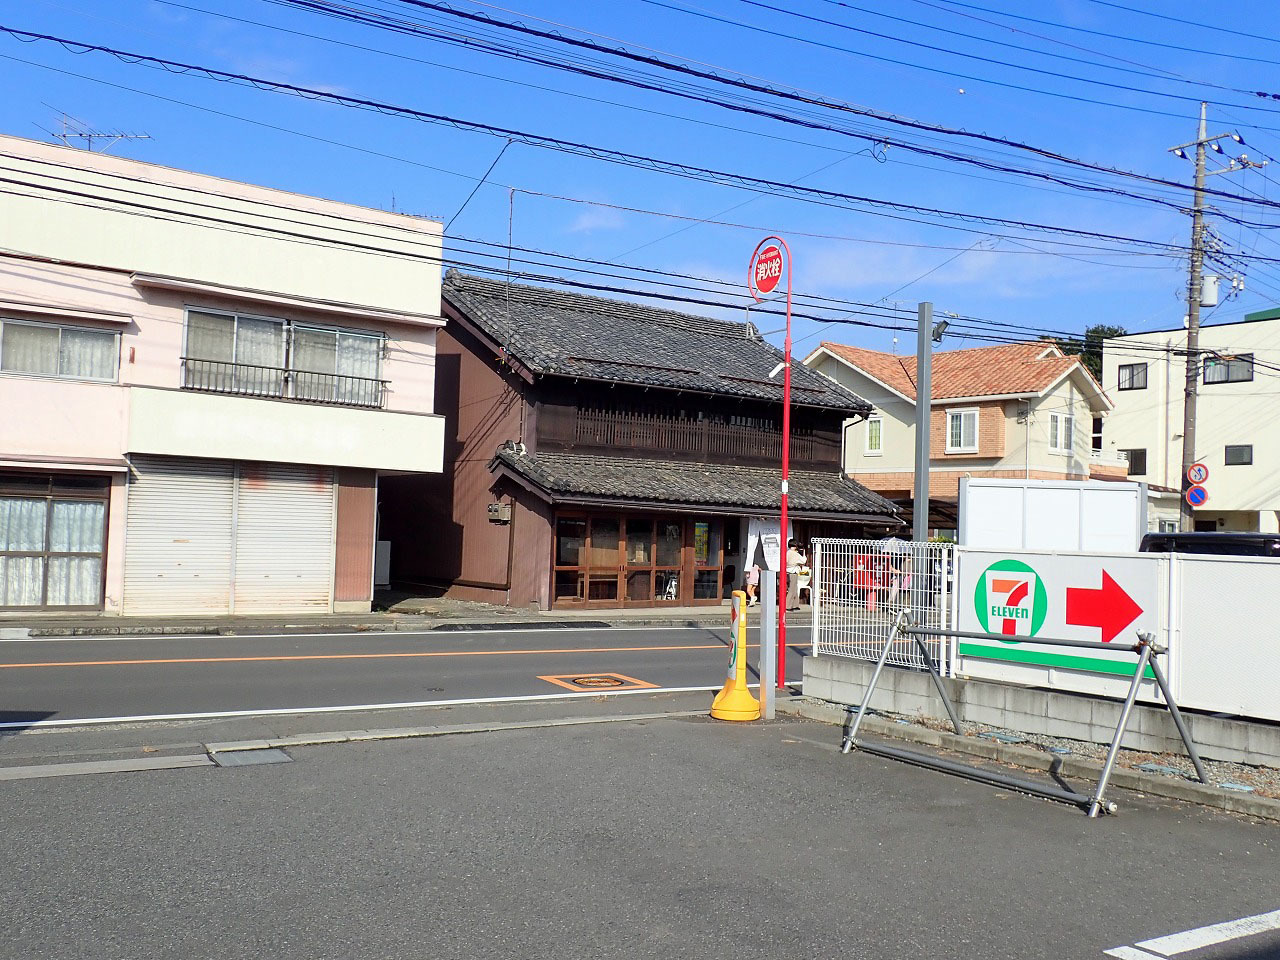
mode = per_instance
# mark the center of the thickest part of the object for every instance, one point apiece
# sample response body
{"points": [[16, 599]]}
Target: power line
{"points": [[1097, 251], [330, 7], [676, 168], [1110, 36]]}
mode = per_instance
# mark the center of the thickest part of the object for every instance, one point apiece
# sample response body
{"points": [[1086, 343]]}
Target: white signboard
{"points": [[764, 542], [1077, 596], [1052, 514]]}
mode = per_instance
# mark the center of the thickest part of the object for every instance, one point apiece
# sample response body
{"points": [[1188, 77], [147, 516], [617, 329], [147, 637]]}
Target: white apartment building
{"points": [[1237, 430], [200, 383]]}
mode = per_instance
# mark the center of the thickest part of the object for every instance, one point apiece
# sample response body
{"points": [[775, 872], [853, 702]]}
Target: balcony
{"points": [[249, 380], [194, 423], [624, 432]]}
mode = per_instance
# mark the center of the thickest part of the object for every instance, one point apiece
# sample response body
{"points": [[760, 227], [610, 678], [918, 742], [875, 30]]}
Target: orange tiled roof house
{"points": [[1013, 410]]}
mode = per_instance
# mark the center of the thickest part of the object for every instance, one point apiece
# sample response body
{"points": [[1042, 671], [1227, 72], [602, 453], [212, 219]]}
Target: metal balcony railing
{"points": [[252, 380]]}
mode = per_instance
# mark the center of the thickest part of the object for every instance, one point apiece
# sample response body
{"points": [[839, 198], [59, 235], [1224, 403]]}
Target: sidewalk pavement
{"points": [[407, 615]]}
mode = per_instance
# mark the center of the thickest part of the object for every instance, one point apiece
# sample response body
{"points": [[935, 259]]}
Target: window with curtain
{"points": [[875, 435], [52, 350], [230, 353], [1061, 432], [962, 431], [51, 551], [1228, 369], [337, 366]]}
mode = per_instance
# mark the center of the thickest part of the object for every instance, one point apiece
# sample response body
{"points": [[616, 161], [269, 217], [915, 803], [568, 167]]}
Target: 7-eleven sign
{"points": [[1011, 599]]}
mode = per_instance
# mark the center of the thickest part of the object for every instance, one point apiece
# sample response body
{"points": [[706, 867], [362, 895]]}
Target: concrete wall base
{"points": [[1048, 712]]}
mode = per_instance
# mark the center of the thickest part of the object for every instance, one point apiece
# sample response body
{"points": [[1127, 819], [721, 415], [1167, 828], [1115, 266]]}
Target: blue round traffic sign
{"points": [[1197, 495]]}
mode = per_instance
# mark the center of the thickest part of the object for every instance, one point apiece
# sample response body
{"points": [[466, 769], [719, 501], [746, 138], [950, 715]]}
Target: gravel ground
{"points": [[1264, 780]]}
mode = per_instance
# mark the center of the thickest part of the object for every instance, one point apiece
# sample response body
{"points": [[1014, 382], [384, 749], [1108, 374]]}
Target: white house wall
{"points": [[1226, 414], [176, 235]]}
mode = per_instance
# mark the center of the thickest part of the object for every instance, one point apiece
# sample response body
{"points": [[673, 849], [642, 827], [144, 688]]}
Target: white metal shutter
{"points": [[178, 536], [284, 539]]}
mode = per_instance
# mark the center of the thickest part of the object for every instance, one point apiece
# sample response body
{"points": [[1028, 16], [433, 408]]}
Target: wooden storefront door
{"points": [[638, 560]]}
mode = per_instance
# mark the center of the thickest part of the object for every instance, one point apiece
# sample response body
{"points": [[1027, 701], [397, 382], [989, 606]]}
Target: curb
{"points": [[1154, 784], [409, 733], [407, 626]]}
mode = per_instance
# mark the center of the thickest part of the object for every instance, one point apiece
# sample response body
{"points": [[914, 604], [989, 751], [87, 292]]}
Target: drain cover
{"points": [[249, 758], [598, 681]]}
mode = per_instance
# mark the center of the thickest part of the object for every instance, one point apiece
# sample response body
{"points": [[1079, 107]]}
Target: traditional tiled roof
{"points": [[1012, 368], [555, 333], [570, 476]]}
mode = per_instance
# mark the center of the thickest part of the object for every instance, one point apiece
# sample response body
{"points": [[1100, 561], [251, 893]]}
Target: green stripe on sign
{"points": [[1067, 660]]}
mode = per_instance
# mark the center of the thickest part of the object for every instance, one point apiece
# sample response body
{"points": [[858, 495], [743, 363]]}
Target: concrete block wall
{"points": [[1030, 710]]}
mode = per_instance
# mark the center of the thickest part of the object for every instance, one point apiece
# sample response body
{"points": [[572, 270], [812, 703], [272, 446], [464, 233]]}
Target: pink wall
{"points": [[151, 344]]}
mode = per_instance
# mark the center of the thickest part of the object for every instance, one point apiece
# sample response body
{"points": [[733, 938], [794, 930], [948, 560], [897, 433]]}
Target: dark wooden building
{"points": [[602, 452]]}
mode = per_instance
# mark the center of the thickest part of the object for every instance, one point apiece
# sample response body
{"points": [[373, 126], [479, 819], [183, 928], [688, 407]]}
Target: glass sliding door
{"points": [[708, 559], [604, 560], [639, 572]]}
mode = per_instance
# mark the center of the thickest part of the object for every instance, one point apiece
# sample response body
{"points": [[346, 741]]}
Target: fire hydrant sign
{"points": [[1101, 597]]}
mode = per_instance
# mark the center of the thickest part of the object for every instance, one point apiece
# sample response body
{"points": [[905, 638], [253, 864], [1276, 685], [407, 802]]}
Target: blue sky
{"points": [[430, 169]]}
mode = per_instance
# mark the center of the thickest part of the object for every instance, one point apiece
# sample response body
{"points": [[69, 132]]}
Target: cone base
{"points": [[733, 704]]}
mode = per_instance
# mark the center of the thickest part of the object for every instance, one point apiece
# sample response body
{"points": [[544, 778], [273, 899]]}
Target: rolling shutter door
{"points": [[284, 539], [179, 536]]}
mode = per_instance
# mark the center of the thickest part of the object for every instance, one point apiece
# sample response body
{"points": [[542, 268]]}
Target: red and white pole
{"points": [[763, 273]]}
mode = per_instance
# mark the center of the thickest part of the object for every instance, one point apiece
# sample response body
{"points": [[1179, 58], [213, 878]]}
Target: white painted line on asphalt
{"points": [[347, 633], [1176, 943], [1130, 953], [347, 708]]}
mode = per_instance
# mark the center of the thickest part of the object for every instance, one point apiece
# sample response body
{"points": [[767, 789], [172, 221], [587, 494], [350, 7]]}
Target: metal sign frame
{"points": [[1146, 649]]}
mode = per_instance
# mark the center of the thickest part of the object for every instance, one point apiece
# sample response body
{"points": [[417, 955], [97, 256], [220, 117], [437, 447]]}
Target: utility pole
{"points": [[924, 409], [1195, 287]]}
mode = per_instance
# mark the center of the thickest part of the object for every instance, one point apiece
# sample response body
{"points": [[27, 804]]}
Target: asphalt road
{"points": [[61, 680], [639, 840]]}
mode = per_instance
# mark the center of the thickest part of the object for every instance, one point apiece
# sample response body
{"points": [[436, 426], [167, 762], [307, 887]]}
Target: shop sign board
{"points": [[1073, 596]]}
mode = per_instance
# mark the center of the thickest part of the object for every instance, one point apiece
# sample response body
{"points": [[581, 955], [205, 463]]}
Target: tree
{"points": [[1089, 350]]}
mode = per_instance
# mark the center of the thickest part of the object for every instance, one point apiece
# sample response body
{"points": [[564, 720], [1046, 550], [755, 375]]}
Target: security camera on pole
{"points": [[764, 271]]}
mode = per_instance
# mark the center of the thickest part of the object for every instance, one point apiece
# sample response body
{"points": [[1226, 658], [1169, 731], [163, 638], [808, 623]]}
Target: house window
{"points": [[1133, 376], [1240, 455], [264, 357], [1228, 369], [1096, 439], [962, 431], [875, 436], [1137, 462], [1168, 526], [51, 350], [1061, 432]]}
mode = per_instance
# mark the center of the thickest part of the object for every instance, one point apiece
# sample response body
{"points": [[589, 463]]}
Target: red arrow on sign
{"points": [[1109, 608]]}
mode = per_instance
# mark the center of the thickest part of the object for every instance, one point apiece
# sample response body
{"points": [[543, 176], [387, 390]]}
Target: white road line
{"points": [[348, 708], [1130, 953], [346, 633], [1176, 943]]}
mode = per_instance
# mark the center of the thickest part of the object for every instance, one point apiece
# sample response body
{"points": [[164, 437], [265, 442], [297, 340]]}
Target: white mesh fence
{"points": [[860, 586]]}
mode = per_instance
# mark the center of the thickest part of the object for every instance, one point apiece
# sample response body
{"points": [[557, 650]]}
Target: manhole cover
{"points": [[599, 681]]}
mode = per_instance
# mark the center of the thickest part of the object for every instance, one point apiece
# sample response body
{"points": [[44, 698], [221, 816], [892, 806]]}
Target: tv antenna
{"points": [[73, 129]]}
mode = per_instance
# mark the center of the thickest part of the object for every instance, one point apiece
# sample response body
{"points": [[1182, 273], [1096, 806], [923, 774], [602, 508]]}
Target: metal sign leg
{"points": [[1178, 721], [937, 682], [1095, 806], [851, 736]]}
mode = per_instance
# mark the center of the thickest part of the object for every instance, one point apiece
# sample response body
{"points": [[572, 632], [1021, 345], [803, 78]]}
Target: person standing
{"points": [[795, 560]]}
